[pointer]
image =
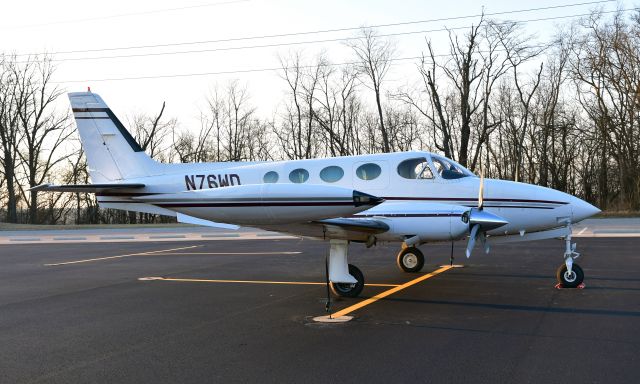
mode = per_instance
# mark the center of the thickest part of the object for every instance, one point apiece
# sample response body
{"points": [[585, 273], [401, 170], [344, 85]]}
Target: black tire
{"points": [[347, 289], [570, 281], [410, 260]]}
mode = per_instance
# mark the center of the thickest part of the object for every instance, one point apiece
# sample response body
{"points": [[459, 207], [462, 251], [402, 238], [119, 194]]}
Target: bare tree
{"points": [[297, 132], [239, 120], [606, 69], [151, 132], [11, 99], [495, 63], [190, 148], [230, 120], [462, 71], [337, 108], [43, 130], [374, 56], [553, 142]]}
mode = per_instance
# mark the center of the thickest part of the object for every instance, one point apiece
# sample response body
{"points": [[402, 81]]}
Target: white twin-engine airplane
{"points": [[411, 198]]}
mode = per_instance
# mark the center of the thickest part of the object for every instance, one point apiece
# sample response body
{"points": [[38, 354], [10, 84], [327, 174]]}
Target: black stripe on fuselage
{"points": [[256, 204], [127, 136], [448, 199], [505, 206], [401, 215], [473, 201]]}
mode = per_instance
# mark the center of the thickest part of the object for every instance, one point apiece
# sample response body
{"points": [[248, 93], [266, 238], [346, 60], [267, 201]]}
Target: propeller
{"points": [[481, 221], [481, 190], [472, 239]]}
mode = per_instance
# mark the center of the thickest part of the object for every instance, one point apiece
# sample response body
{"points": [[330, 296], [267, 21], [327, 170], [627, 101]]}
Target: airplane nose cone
{"points": [[581, 210]]}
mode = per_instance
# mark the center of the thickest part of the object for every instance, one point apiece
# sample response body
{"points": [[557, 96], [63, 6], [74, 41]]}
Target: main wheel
{"points": [[348, 289], [410, 260], [570, 280]]}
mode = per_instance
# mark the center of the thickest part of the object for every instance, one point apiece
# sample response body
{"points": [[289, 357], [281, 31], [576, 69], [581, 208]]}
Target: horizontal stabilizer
{"points": [[88, 188], [182, 218]]}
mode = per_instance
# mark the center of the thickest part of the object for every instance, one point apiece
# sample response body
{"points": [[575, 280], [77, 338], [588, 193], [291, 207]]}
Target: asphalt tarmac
{"points": [[79, 313]]}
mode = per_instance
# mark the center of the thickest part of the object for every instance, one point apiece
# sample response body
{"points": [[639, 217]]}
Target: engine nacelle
{"points": [[430, 222]]}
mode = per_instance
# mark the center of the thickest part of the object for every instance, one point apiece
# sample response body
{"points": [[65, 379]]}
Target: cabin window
{"points": [[331, 174], [270, 177], [299, 175], [415, 169], [448, 169], [368, 171]]}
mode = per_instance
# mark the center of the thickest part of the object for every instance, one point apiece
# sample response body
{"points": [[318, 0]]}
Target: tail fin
{"points": [[112, 153]]}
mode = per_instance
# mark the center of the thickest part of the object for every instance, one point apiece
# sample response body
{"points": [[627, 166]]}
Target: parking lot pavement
{"points": [[241, 311]]}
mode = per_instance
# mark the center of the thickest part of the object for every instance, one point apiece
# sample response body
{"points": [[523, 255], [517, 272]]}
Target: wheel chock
{"points": [[560, 286]]}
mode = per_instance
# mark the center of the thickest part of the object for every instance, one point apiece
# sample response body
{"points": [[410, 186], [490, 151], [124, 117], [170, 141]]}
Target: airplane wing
{"points": [[90, 188], [355, 229]]}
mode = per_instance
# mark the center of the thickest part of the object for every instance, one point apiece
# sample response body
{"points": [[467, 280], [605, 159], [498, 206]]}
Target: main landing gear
{"points": [[410, 260], [569, 274], [345, 279], [349, 289]]}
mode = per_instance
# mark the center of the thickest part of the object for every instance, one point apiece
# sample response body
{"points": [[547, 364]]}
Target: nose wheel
{"points": [[570, 279], [410, 260]]}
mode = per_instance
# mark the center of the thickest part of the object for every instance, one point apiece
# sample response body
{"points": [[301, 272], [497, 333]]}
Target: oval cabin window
{"points": [[368, 171], [270, 177], [331, 174], [299, 175], [417, 168]]}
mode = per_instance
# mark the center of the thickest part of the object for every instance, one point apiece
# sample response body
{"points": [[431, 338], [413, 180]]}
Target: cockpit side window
{"points": [[449, 170], [417, 168]]}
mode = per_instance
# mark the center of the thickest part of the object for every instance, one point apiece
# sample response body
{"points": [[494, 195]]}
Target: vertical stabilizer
{"points": [[112, 153]]}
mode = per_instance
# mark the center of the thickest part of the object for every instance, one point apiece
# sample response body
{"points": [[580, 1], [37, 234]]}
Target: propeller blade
{"points": [[485, 242], [472, 239], [481, 190]]}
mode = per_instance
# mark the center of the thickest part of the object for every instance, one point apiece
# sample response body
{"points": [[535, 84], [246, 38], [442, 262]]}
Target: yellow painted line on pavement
{"points": [[122, 256], [249, 281], [235, 253], [391, 291]]}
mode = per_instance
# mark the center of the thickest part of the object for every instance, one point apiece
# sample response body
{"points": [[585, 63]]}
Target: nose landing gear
{"points": [[569, 274]]}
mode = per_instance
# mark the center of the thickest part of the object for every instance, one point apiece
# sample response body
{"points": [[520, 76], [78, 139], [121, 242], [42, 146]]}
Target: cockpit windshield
{"points": [[448, 169]]}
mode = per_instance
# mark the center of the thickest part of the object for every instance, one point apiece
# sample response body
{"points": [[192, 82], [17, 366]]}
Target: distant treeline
{"points": [[563, 113]]}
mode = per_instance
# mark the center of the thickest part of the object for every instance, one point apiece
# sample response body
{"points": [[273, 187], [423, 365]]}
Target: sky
{"points": [[138, 80]]}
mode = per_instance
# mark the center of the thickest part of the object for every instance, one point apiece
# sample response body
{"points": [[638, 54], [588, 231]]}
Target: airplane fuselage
{"points": [[429, 206]]}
